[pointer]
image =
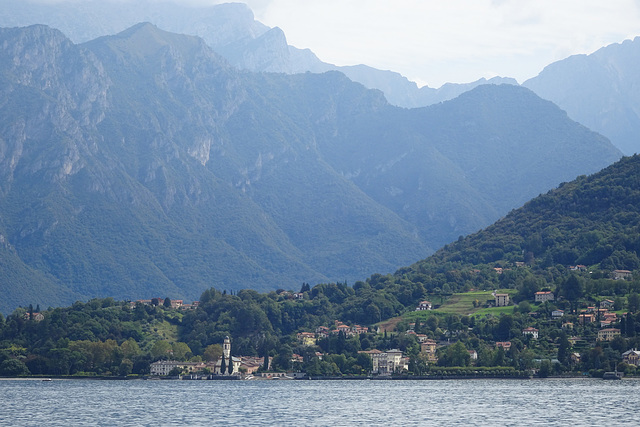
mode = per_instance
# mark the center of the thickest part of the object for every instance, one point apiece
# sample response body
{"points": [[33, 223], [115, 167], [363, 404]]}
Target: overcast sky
{"points": [[437, 41]]}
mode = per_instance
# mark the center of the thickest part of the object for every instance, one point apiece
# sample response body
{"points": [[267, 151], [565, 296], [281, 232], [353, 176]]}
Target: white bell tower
{"points": [[226, 349]]}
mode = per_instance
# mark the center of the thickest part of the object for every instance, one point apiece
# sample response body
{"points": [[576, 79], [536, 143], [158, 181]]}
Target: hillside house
{"points": [[424, 305], [608, 304], [585, 318], [533, 332], [621, 275], [428, 347], [544, 296], [506, 345], [502, 300], [556, 314], [608, 334], [306, 338]]}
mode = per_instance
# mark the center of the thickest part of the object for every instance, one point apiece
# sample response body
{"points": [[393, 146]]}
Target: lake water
{"points": [[319, 403]]}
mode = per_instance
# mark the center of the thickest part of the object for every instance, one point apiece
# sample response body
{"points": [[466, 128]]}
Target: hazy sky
{"points": [[435, 41]]}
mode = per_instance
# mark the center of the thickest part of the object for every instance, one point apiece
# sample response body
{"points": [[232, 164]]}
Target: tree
{"points": [[572, 288], [167, 303], [545, 369], [633, 302], [160, 349], [223, 366], [212, 353], [125, 368], [181, 351], [13, 368]]}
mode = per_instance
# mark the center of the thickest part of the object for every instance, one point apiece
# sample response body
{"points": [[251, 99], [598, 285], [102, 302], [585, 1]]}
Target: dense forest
{"points": [[567, 241]]}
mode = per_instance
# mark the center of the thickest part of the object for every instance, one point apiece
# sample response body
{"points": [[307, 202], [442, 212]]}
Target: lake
{"points": [[318, 403]]}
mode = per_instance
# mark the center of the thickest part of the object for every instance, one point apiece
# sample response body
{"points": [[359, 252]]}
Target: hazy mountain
{"points": [[231, 30], [601, 91], [142, 164]]}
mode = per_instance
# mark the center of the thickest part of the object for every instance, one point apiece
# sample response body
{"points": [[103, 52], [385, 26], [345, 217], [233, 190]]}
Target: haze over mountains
{"points": [[144, 164], [598, 90]]}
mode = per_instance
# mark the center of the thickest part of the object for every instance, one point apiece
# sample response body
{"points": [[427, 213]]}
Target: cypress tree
{"points": [[230, 365], [265, 365], [223, 366]]}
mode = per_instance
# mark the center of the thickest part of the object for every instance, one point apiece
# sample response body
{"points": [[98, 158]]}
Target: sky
{"points": [[433, 42], [436, 41]]}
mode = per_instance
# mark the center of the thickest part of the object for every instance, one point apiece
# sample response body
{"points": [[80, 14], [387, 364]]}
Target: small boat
{"points": [[612, 375], [47, 379]]}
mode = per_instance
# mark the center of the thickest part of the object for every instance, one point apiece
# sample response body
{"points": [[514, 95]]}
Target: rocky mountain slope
{"points": [[142, 164]]}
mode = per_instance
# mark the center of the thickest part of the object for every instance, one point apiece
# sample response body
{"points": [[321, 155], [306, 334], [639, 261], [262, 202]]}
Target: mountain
{"points": [[232, 31], [591, 221], [143, 164], [600, 90]]}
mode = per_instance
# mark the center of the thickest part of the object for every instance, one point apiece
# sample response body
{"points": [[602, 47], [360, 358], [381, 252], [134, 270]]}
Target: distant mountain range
{"points": [[598, 90], [143, 164]]}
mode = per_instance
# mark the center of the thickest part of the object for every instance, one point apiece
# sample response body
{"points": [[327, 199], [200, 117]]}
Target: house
{"points": [[567, 325], [575, 358], [36, 317], [498, 270], [621, 275], [586, 318], [473, 355], [428, 347], [608, 304], [164, 367], [530, 331], [502, 300], [556, 314], [608, 334], [424, 305], [631, 357], [306, 338], [176, 303], [250, 364], [506, 345], [544, 296]]}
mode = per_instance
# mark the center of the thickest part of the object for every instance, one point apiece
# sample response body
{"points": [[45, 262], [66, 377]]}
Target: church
{"points": [[226, 353]]}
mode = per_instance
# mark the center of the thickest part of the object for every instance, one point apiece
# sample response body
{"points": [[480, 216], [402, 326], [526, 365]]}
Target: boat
{"points": [[612, 375], [47, 379]]}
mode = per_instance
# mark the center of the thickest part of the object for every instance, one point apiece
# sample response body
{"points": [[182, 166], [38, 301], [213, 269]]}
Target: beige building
{"points": [[428, 347], [608, 334], [544, 296]]}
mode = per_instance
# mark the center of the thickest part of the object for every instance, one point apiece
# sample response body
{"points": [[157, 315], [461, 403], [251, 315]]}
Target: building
{"points": [[502, 300], [428, 347], [544, 296], [631, 357], [608, 304], [424, 305], [621, 275], [586, 318], [473, 355], [36, 317], [387, 362], [506, 345], [164, 367], [608, 334], [226, 354], [533, 332], [556, 314], [307, 338]]}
